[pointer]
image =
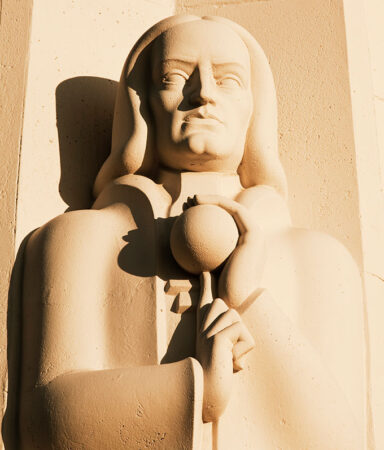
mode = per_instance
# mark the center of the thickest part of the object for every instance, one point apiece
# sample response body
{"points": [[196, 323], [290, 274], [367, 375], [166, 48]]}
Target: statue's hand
{"points": [[221, 341], [242, 273], [242, 216]]}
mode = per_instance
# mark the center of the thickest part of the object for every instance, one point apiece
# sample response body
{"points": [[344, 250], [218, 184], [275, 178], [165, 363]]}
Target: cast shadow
{"points": [[147, 253], [84, 113], [10, 423], [137, 258]]}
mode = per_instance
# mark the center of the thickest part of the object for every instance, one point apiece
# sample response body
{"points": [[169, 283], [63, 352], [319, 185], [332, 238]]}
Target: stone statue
{"points": [[183, 310]]}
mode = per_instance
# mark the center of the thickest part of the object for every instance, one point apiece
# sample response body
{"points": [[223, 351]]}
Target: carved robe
{"points": [[109, 338]]}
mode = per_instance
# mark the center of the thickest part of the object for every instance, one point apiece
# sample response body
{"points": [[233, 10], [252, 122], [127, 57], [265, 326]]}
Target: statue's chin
{"points": [[207, 144], [201, 152], [198, 143]]}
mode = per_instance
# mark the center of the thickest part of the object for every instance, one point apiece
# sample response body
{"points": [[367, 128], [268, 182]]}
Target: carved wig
{"points": [[133, 143]]}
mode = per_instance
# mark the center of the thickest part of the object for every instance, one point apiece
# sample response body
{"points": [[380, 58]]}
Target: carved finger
{"points": [[235, 333], [238, 211], [217, 308], [242, 341], [206, 298], [189, 203], [241, 348], [229, 205], [224, 320], [238, 364]]}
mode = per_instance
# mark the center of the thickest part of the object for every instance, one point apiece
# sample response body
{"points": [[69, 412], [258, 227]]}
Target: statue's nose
{"points": [[204, 89]]}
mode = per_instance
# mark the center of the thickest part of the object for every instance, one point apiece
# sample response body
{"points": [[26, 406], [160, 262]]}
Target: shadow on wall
{"points": [[84, 113], [10, 423]]}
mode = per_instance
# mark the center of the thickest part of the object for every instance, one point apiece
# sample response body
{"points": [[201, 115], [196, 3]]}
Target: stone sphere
{"points": [[203, 237]]}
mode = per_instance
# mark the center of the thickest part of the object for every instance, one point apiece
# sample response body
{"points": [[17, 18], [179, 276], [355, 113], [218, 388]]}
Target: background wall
{"points": [[77, 49], [14, 39], [374, 16]]}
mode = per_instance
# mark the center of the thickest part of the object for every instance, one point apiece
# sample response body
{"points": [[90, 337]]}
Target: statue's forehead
{"points": [[202, 37]]}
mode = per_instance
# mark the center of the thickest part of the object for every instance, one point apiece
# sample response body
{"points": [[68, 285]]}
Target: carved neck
{"points": [[181, 185]]}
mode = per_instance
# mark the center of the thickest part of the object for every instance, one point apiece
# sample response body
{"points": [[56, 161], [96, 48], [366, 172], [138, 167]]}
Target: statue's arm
{"points": [[70, 398], [308, 356], [303, 405], [122, 408], [307, 364]]}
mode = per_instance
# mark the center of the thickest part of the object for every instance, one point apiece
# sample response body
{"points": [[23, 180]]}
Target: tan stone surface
{"points": [[374, 14], [14, 38], [363, 39]]}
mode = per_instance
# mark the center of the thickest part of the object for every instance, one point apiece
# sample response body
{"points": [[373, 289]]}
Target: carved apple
{"points": [[203, 237]]}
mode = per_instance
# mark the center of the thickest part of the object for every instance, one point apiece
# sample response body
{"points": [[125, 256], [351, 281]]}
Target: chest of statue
{"points": [[149, 302]]}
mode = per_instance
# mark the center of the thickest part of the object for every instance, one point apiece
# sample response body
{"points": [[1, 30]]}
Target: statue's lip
{"points": [[201, 115]]}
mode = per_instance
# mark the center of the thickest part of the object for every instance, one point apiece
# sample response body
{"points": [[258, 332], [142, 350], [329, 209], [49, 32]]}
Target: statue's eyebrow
{"points": [[188, 65], [231, 67]]}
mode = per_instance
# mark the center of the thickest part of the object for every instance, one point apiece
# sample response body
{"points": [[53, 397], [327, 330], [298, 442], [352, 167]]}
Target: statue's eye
{"points": [[172, 78], [230, 81]]}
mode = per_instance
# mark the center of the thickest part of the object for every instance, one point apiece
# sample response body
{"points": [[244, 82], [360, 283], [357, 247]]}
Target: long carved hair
{"points": [[133, 141]]}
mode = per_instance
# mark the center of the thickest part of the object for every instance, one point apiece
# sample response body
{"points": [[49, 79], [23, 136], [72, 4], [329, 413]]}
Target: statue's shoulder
{"points": [[125, 203], [269, 209], [135, 191], [309, 248], [71, 230]]}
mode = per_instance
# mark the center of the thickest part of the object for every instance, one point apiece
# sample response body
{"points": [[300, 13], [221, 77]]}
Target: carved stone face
{"points": [[201, 97]]}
